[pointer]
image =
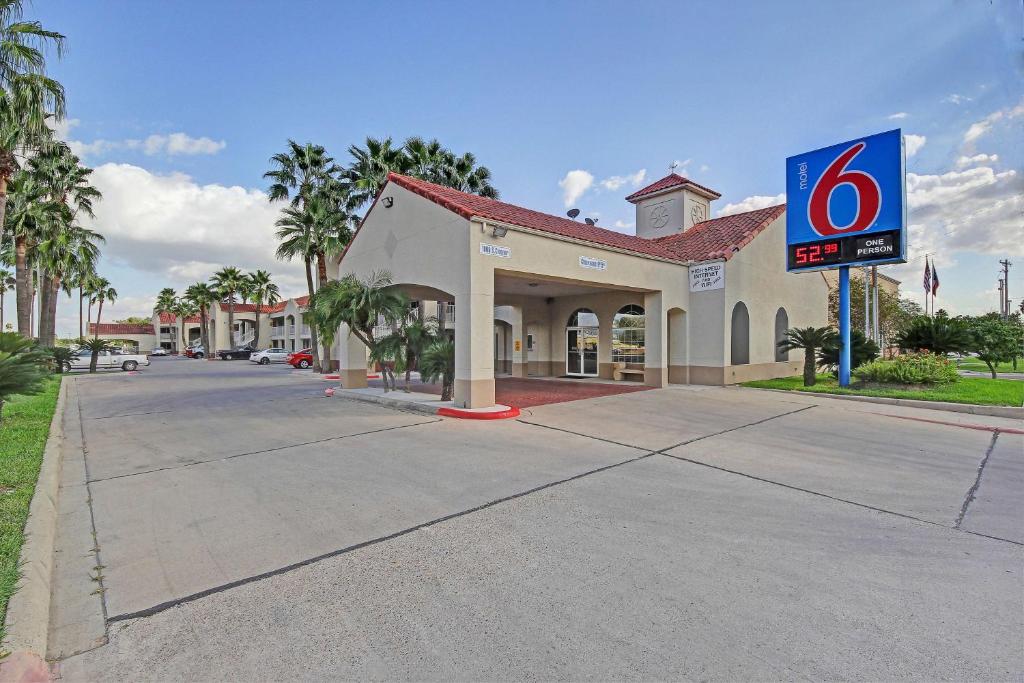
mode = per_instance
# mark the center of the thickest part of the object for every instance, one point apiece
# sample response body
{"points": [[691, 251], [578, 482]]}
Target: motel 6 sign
{"points": [[846, 204]]}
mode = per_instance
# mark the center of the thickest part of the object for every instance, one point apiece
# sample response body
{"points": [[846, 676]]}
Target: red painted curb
{"points": [[470, 415]]}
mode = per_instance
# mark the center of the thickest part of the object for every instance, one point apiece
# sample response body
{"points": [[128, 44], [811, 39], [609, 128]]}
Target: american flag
{"points": [[927, 277], [935, 279]]}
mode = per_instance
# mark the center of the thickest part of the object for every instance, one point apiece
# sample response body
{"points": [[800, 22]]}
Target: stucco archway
{"points": [[740, 335]]}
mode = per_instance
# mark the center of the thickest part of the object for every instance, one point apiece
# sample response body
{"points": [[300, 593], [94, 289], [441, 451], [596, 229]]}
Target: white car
{"points": [[106, 360], [268, 356], [159, 351]]}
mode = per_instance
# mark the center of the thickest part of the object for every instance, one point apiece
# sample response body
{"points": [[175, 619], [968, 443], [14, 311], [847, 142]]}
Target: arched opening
{"points": [[628, 336], [781, 325], [581, 341], [502, 348], [740, 346], [290, 332], [678, 360]]}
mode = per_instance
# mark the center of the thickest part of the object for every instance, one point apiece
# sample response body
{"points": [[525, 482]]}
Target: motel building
{"points": [[686, 300]]}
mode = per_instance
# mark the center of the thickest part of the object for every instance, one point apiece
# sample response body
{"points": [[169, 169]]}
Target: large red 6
{"points": [[869, 197]]}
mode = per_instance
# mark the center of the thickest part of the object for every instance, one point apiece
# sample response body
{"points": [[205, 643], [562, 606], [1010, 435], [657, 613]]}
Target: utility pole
{"points": [[1004, 303], [867, 306]]}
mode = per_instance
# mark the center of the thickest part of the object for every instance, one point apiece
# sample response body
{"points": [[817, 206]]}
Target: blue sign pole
{"points": [[844, 326]]}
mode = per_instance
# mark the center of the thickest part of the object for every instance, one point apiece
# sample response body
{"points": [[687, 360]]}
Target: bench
{"points": [[619, 371]]}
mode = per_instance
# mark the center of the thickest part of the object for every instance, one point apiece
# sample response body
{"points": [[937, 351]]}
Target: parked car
{"points": [[301, 359], [268, 356], [196, 351], [105, 360], [159, 351], [238, 353]]}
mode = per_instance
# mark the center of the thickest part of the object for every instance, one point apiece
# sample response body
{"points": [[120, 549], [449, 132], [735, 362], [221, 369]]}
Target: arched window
{"points": [[628, 335], [582, 317], [781, 325], [740, 334]]}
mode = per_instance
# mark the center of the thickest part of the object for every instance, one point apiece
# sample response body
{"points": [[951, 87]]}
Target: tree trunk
{"points": [[51, 314], [321, 272], [256, 332], [44, 306], [204, 333], [95, 352], [231, 321], [80, 312], [809, 376], [313, 337], [23, 286]]}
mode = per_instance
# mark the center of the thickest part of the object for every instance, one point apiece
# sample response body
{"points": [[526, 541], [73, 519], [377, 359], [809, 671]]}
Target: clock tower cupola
{"points": [[671, 205]]}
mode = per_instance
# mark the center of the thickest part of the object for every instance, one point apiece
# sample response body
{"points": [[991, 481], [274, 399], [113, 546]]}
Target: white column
{"points": [[351, 359], [520, 358], [474, 338]]}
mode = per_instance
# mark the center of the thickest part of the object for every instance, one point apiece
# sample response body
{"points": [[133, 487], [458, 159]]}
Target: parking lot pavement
{"points": [[657, 569], [559, 546]]}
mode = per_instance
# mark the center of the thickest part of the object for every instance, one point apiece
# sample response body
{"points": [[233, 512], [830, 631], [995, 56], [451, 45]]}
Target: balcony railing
{"points": [[305, 330], [277, 332], [291, 330]]}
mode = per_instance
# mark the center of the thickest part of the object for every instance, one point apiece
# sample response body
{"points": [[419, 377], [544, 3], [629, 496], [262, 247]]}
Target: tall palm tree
{"points": [[228, 281], [359, 304], [810, 339], [166, 301], [66, 250], [183, 310], [27, 96], [370, 166], [80, 280], [6, 285], [104, 292], [28, 213], [262, 291], [202, 296]]}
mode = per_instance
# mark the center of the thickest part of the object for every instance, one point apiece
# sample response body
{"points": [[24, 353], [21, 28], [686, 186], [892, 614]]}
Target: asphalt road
{"points": [[247, 528]]}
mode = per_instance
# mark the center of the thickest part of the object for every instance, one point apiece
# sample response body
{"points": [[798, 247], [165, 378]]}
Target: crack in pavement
{"points": [[977, 480], [265, 450]]}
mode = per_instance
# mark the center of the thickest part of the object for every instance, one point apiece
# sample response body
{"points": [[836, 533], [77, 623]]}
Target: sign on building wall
{"points": [[593, 263], [707, 277], [846, 204], [495, 250]]}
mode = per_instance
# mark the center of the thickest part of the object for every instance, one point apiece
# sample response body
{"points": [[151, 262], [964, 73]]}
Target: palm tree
{"points": [[262, 291], [166, 301], [810, 339], [228, 281], [360, 304], [66, 250], [438, 362], [21, 44], [6, 285], [183, 310], [28, 212], [104, 292], [370, 167], [202, 296]]}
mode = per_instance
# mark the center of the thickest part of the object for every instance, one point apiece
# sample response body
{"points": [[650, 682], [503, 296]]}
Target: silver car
{"points": [[268, 356]]}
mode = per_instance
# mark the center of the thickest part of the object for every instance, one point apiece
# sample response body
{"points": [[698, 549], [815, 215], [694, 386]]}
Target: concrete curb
{"points": [[398, 404], [28, 612], [970, 408]]}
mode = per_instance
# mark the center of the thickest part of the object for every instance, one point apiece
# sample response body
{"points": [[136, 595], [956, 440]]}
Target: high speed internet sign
{"points": [[846, 204]]}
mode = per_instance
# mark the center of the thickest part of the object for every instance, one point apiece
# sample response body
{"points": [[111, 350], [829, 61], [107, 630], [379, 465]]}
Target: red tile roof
{"points": [[671, 180], [120, 328], [720, 237], [711, 239], [167, 318]]}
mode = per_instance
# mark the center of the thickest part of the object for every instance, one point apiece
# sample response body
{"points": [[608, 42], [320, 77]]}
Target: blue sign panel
{"points": [[846, 204]]}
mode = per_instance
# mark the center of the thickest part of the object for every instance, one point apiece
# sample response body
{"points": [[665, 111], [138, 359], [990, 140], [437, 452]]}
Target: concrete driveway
{"points": [[247, 528]]}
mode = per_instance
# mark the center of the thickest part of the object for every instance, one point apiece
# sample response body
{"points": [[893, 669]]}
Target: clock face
{"points": [[659, 216], [697, 213]]}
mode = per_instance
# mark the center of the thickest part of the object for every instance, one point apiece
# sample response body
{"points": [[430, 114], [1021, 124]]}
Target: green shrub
{"points": [[912, 368], [58, 356], [22, 366], [862, 350], [935, 334]]}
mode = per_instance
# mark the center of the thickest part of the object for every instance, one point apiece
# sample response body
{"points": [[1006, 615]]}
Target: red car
{"points": [[301, 359]]}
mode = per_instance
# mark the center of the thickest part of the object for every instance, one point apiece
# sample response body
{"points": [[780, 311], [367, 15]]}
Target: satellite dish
{"points": [[590, 221], [572, 213]]}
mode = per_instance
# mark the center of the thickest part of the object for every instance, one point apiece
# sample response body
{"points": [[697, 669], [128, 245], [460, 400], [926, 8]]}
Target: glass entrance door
{"points": [[581, 351]]}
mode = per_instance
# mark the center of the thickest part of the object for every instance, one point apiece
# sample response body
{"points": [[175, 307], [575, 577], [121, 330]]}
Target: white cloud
{"points": [[616, 181], [913, 143], [898, 115], [705, 168], [177, 231], [752, 204], [624, 225], [180, 143], [976, 160], [574, 184], [682, 164], [956, 99], [980, 128]]}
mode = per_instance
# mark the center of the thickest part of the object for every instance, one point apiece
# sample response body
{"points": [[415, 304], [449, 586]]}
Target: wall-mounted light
{"points": [[389, 202], [498, 231]]}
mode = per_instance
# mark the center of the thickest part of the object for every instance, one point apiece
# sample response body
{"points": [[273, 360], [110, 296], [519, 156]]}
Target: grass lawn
{"points": [[23, 432], [979, 365], [977, 390]]}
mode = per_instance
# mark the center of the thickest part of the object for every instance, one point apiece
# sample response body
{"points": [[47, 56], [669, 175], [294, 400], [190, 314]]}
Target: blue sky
{"points": [[179, 105]]}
